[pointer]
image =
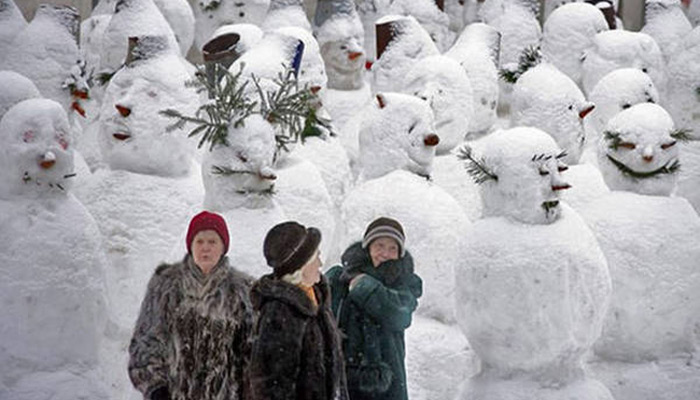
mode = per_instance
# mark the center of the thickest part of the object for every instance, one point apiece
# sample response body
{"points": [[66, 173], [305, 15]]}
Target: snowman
{"points": [[444, 84], [477, 51], [16, 88], [212, 14], [282, 13], [684, 106], [546, 98], [455, 11], [12, 22], [53, 265], [370, 11], [620, 49], [532, 283], [516, 20], [46, 51], [180, 17], [567, 33], [431, 17], [650, 242], [338, 29], [131, 18], [665, 21], [401, 42], [616, 91]]}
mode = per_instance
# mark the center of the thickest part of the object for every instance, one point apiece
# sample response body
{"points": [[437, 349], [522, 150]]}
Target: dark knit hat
{"points": [[204, 221], [289, 245], [385, 227]]}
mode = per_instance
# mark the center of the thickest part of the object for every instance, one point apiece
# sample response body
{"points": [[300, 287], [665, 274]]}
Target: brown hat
{"points": [[385, 227], [289, 245]]}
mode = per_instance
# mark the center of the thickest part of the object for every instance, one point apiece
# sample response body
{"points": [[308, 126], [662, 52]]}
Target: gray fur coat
{"points": [[193, 333]]}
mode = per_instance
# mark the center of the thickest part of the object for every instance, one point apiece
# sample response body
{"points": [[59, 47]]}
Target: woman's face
{"points": [[311, 271], [383, 249], [207, 249]]}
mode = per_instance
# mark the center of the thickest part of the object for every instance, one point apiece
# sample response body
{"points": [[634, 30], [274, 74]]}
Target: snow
{"points": [[180, 17], [223, 13], [16, 88], [12, 23], [432, 19], [667, 24], [284, 13], [567, 33], [342, 46]]}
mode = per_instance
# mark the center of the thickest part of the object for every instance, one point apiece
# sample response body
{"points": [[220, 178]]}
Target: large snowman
{"points": [[650, 242], [532, 283], [53, 265]]}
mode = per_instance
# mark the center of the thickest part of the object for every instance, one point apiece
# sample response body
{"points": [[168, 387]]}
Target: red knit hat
{"points": [[204, 221]]}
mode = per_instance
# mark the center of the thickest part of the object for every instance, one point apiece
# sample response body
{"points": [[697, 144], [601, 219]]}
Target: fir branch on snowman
{"points": [[476, 167], [683, 135], [613, 138], [670, 168], [529, 58], [209, 5], [228, 106]]}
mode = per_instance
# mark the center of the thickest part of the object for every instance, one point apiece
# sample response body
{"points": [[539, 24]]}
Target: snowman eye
{"points": [[544, 172], [668, 145], [571, 107], [626, 106], [28, 136], [627, 145], [562, 168], [644, 70], [410, 130]]}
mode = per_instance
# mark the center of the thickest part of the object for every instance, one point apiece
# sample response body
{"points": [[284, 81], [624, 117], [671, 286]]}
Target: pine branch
{"points": [[683, 135], [476, 168], [669, 168], [530, 57], [613, 138], [226, 171]]}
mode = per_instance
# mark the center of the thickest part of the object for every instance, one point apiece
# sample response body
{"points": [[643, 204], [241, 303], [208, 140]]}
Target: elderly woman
{"points": [[375, 292], [296, 351], [192, 337]]}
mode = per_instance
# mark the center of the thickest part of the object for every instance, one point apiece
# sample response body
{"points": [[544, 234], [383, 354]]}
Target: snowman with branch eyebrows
{"points": [[52, 262], [532, 283], [650, 241]]}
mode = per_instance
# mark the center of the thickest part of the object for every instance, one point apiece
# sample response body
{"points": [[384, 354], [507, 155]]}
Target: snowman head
{"points": [[519, 170], [312, 71], [36, 158], [397, 133], [16, 88], [237, 174], [545, 98], [638, 151], [133, 136], [212, 14], [444, 84], [342, 42]]}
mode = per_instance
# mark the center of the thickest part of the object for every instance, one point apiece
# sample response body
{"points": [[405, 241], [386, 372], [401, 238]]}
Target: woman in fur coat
{"points": [[375, 292], [192, 337], [296, 351]]}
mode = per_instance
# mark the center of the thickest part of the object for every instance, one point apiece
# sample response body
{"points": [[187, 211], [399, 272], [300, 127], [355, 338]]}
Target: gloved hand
{"points": [[162, 393]]}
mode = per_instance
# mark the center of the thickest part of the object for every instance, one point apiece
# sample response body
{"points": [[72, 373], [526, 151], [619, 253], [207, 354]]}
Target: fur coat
{"points": [[193, 333], [373, 317], [296, 350]]}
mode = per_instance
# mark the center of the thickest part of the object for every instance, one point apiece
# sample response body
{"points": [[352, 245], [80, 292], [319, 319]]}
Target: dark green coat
{"points": [[373, 317]]}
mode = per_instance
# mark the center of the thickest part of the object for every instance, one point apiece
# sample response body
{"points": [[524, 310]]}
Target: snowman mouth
{"points": [[121, 136], [668, 168], [550, 205]]}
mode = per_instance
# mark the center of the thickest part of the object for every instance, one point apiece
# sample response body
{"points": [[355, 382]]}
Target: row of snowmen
{"points": [[534, 283]]}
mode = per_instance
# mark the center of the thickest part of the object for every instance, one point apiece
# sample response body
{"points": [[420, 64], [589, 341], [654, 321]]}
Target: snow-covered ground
{"points": [[541, 280]]}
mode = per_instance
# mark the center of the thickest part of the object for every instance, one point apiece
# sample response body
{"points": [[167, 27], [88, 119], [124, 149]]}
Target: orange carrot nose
{"points": [[46, 164], [582, 114], [561, 187], [648, 158], [353, 55], [123, 111], [121, 136], [431, 140], [315, 89]]}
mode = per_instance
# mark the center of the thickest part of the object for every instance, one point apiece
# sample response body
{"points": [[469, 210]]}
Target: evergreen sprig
{"points": [[476, 167], [211, 5], [228, 105], [226, 171], [670, 168], [613, 138], [683, 135], [530, 57]]}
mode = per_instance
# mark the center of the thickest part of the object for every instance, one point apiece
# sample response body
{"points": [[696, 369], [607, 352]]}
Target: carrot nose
{"points": [[648, 158], [48, 160], [582, 114], [353, 55], [123, 111], [315, 89], [431, 140], [561, 187]]}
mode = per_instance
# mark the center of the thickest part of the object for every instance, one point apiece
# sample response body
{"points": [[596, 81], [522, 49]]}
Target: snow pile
{"points": [[52, 293], [567, 33], [443, 83], [477, 50]]}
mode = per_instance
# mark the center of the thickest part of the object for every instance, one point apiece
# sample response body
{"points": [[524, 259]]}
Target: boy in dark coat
{"points": [[375, 292], [192, 337], [296, 351]]}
